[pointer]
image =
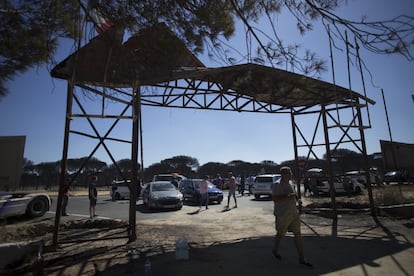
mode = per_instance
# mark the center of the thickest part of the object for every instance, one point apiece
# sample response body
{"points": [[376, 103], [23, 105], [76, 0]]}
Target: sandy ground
{"points": [[234, 242]]}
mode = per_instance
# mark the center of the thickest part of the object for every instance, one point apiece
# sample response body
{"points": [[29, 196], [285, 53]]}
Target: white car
{"points": [[360, 177], [356, 186], [120, 190], [262, 184], [18, 204]]}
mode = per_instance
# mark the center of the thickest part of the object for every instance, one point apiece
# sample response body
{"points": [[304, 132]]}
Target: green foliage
{"points": [[30, 29], [29, 32], [188, 166]]}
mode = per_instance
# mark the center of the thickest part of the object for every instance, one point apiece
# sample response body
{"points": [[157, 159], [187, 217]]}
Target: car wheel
{"points": [[38, 207], [256, 196], [117, 196], [358, 190]]}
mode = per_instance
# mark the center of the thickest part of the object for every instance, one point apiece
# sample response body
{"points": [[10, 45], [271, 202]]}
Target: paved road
{"points": [[106, 208]]}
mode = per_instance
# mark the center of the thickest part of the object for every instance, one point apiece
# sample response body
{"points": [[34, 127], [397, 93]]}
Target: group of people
{"points": [[285, 210], [242, 183], [204, 189], [92, 194], [311, 186]]}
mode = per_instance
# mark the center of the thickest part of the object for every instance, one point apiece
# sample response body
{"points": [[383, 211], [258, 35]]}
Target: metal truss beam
{"points": [[335, 132], [207, 95], [197, 94]]}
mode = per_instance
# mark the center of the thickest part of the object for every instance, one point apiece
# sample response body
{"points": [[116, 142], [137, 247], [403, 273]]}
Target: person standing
{"points": [[287, 214], [314, 185], [306, 183], [250, 182], [238, 182], [219, 182], [113, 190], [175, 182], [242, 185], [93, 196], [66, 193], [232, 190], [348, 187], [204, 191]]}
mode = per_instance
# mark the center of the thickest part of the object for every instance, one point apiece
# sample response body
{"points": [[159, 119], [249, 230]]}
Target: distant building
{"points": [[11, 161]]}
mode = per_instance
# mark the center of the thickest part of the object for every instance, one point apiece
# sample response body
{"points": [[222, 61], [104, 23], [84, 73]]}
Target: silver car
{"points": [[162, 194], [263, 184], [356, 187]]}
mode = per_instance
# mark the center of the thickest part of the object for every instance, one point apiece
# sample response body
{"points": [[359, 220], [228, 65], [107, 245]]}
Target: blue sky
{"points": [[35, 107]]}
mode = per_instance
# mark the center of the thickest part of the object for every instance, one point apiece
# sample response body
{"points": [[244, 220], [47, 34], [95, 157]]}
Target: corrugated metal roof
{"points": [[106, 61], [155, 55], [267, 84]]}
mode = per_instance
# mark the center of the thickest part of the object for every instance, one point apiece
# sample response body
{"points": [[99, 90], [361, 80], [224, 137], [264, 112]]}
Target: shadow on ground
{"points": [[248, 256], [252, 256]]}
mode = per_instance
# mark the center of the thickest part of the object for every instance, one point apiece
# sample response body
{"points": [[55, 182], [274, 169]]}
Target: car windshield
{"points": [[157, 187], [264, 179], [163, 178], [124, 184]]}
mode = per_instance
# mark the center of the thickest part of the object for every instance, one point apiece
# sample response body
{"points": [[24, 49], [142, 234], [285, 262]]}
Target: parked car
{"points": [[18, 204], [263, 184], [356, 187], [396, 176], [316, 172], [360, 177], [191, 191], [169, 177], [162, 194], [120, 190]]}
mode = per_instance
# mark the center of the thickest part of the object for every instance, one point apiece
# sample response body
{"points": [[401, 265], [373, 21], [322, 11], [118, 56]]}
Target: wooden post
{"points": [[365, 160], [136, 110], [329, 161], [68, 118], [295, 147]]}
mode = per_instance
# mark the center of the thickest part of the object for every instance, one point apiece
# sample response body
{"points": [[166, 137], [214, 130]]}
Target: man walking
{"points": [[66, 193], [286, 214], [204, 192], [232, 190], [93, 196]]}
